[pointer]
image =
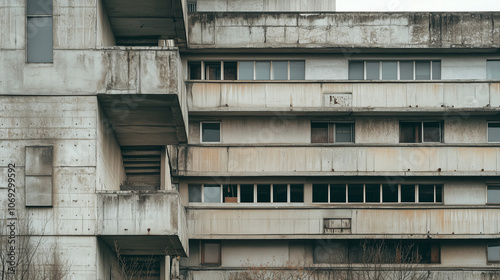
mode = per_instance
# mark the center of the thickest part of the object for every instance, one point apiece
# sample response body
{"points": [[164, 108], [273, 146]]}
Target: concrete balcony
{"points": [[143, 223], [340, 160], [344, 32], [343, 98], [313, 222]]}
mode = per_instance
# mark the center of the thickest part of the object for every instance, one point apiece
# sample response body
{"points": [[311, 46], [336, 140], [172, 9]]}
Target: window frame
{"points": [[398, 69], [487, 197], [422, 131], [488, 71], [27, 18], [202, 250], [488, 131], [332, 131], [381, 196], [201, 132], [255, 194], [497, 244]]}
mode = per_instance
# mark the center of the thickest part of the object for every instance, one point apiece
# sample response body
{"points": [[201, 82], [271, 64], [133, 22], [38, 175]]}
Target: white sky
{"points": [[418, 5]]}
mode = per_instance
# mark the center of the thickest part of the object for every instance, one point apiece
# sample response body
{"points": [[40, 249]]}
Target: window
{"points": [[493, 69], [246, 70], [210, 252], [418, 132], [38, 175], [210, 132], [376, 251], [378, 193], [494, 132], [39, 31], [395, 70], [191, 6], [246, 193], [493, 194], [494, 252], [324, 132]]}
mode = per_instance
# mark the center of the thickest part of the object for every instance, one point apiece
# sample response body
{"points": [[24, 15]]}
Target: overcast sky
{"points": [[418, 5]]}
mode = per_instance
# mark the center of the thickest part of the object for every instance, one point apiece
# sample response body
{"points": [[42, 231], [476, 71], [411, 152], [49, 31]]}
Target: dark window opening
{"points": [[426, 193], [338, 193], [263, 193], [390, 193], [230, 193], [319, 132], [355, 193], [230, 70], [296, 193], [280, 193], [407, 193], [320, 193], [194, 193], [212, 71], [194, 70], [372, 193], [246, 193], [410, 132], [210, 132], [494, 132], [439, 193]]}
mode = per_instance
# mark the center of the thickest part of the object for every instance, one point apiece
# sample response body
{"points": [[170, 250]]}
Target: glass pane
{"points": [[230, 193], [426, 193], [410, 132], [245, 70], [493, 69], [210, 132], [373, 70], [39, 39], [436, 70], [194, 193], [296, 193], [356, 70], [320, 193], [246, 193], [319, 132], [195, 70], [389, 70], [355, 193], [211, 252], [494, 252], [263, 193], [389, 193], [297, 70], [39, 7], [423, 70], [493, 132], [280, 70], [211, 194], [343, 132], [493, 194], [280, 193], [432, 132], [212, 71], [407, 193], [439, 193], [372, 193], [406, 70], [230, 72], [262, 70], [337, 193]]}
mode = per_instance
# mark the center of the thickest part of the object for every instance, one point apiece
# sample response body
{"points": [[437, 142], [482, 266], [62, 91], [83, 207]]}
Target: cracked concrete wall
{"points": [[265, 5]]}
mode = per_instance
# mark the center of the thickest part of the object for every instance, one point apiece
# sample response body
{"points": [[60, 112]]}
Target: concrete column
{"points": [[166, 179], [174, 271], [165, 269]]}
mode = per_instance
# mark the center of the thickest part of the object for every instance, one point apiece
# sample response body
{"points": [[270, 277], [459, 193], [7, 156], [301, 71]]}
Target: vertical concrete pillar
{"points": [[165, 269], [166, 179], [174, 270]]}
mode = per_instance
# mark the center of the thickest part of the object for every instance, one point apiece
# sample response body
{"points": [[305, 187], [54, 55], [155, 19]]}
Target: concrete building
{"points": [[223, 139]]}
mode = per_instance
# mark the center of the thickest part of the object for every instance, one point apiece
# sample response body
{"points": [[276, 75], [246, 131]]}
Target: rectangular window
{"points": [[246, 193], [194, 70], [211, 194], [263, 193], [395, 70], [320, 193], [212, 70], [372, 193], [494, 252], [296, 193], [338, 193], [39, 31], [194, 193], [245, 70], [210, 252], [493, 193], [355, 193], [230, 70], [494, 132], [324, 132], [210, 132], [390, 193], [297, 70], [230, 193], [407, 193], [426, 193], [418, 132], [280, 193], [38, 176], [280, 70], [493, 69], [262, 70]]}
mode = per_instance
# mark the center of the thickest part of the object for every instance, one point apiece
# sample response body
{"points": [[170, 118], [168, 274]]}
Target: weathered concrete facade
{"points": [[145, 135]]}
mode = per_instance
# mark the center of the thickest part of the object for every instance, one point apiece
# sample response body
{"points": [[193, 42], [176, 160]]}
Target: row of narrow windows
{"points": [[362, 252], [343, 132], [325, 193], [295, 70]]}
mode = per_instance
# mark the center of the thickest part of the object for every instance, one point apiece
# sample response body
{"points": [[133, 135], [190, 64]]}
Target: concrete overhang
{"points": [[144, 119], [144, 22], [145, 245]]}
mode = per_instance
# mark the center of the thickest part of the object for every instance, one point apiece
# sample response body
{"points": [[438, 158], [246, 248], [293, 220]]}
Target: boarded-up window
{"points": [[39, 162], [211, 252]]}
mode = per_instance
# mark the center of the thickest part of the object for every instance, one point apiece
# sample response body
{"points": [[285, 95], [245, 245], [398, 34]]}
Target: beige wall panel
{"points": [[74, 27]]}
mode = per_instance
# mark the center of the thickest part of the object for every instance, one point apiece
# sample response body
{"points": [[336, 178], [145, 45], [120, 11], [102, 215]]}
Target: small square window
{"points": [[493, 252], [423, 70], [493, 193], [372, 193], [297, 70], [210, 252], [246, 193], [245, 70], [373, 70], [410, 132], [263, 193], [194, 70], [212, 71], [426, 193], [194, 193], [212, 194], [280, 70], [230, 193], [263, 70], [319, 132], [494, 132], [296, 193], [406, 70], [337, 193], [390, 193], [280, 193], [320, 193], [210, 132], [344, 133], [356, 70], [407, 193], [355, 193], [389, 70], [230, 70]]}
